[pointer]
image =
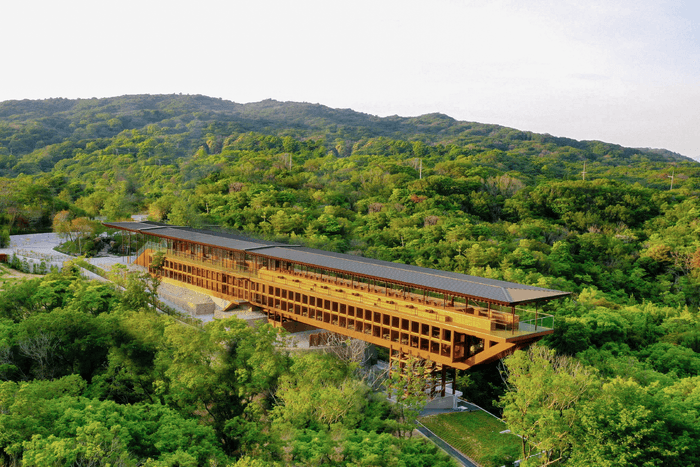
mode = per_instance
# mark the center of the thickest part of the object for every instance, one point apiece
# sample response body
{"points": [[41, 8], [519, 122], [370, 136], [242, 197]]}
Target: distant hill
{"points": [[30, 126], [429, 190]]}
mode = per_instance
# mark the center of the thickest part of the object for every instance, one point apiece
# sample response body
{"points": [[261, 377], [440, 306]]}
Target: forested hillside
{"points": [[624, 236], [90, 375]]}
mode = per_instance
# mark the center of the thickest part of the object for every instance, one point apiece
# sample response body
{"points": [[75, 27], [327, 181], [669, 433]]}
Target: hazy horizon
{"points": [[626, 73]]}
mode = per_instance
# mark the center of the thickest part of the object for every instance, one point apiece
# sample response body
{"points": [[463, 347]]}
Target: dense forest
{"points": [[618, 227], [90, 375]]}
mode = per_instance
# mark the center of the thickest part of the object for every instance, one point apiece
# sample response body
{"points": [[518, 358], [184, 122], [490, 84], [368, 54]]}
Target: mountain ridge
{"points": [[298, 119]]}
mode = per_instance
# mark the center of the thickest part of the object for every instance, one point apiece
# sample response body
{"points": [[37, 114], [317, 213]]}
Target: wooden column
{"points": [[443, 376]]}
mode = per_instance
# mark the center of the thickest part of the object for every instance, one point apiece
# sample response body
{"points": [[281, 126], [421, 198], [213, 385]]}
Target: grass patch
{"points": [[476, 435], [3, 273], [9, 276]]}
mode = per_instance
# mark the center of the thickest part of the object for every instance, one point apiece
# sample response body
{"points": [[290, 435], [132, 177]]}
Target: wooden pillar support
{"points": [[444, 379]]}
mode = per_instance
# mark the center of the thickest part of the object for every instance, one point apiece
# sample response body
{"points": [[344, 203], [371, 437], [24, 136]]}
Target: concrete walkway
{"points": [[36, 248]]}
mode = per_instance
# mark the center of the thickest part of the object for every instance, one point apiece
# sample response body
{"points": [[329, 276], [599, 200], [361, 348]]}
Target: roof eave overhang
{"points": [[260, 252]]}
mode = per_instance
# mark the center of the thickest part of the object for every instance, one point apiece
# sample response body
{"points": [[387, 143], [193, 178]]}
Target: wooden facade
{"points": [[448, 328]]}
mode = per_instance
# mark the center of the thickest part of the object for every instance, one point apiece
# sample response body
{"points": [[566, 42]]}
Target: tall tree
{"points": [[544, 392]]}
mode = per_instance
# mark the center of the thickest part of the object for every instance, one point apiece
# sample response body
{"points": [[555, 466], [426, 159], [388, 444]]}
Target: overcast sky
{"points": [[625, 72]]}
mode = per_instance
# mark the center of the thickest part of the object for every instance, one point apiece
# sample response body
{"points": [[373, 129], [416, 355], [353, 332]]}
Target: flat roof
{"points": [[504, 292]]}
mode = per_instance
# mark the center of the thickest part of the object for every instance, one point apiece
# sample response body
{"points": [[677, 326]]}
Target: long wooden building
{"points": [[453, 320]]}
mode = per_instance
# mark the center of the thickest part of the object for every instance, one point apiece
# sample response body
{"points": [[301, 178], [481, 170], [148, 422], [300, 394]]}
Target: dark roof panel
{"points": [[193, 236], [491, 289], [453, 282]]}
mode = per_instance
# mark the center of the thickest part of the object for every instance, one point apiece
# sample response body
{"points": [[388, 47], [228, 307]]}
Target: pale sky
{"points": [[620, 71]]}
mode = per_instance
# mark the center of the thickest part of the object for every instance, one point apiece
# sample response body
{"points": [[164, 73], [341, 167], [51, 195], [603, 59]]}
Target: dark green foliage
{"points": [[4, 238], [482, 385], [50, 421], [431, 191], [88, 374], [578, 418]]}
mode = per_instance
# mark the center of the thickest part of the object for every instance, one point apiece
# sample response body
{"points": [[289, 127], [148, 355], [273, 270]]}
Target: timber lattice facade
{"points": [[466, 323]]}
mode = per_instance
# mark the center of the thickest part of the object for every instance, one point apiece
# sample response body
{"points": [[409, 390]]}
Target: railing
{"points": [[320, 289], [223, 265], [535, 319], [523, 322], [149, 246], [482, 323]]}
